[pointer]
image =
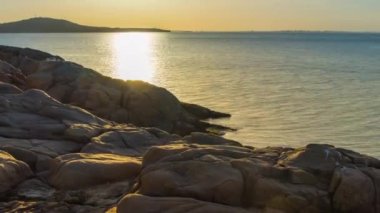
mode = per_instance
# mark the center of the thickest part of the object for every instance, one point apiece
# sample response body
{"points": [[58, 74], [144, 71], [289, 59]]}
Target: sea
{"points": [[282, 88]]}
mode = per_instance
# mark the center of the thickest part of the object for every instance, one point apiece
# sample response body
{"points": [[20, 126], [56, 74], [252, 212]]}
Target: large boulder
{"points": [[268, 186], [12, 172], [267, 179], [214, 182], [80, 170], [353, 191]]}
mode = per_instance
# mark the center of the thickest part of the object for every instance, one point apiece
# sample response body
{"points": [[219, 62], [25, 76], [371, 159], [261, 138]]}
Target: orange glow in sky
{"points": [[205, 15]]}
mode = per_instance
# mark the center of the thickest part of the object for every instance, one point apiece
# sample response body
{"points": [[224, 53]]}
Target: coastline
{"points": [[66, 137]]}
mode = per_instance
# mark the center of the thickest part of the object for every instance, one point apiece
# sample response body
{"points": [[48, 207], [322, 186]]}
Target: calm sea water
{"points": [[282, 88]]}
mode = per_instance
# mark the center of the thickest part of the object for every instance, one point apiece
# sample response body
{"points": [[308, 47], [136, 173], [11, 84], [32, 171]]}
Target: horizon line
{"points": [[215, 31]]}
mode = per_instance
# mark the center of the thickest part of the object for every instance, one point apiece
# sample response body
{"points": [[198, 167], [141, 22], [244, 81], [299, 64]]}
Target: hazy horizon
{"points": [[208, 31], [206, 15]]}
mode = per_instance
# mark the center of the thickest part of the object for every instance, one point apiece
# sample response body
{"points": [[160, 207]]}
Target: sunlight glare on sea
{"points": [[132, 56]]}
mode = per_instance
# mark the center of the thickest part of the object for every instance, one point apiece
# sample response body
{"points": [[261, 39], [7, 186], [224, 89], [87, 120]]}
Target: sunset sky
{"points": [[205, 15]]}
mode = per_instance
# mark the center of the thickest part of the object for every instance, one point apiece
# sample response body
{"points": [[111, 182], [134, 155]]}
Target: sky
{"points": [[205, 15]]}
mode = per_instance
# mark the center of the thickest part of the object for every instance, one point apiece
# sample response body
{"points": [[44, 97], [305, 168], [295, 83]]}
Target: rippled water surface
{"points": [[281, 88]]}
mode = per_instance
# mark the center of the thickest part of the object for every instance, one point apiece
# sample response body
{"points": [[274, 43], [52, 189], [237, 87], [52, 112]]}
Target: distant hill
{"points": [[50, 25]]}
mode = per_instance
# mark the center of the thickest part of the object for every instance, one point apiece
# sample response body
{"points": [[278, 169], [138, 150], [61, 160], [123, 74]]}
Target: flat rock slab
{"points": [[75, 171], [51, 148]]}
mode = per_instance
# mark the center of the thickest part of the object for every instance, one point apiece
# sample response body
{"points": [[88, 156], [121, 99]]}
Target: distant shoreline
{"points": [[85, 32], [49, 25]]}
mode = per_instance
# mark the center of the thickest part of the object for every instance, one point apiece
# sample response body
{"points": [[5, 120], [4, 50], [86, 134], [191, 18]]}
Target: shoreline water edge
{"points": [[73, 140]]}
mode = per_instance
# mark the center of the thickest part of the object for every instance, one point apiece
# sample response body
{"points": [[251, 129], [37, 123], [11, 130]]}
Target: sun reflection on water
{"points": [[133, 56]]}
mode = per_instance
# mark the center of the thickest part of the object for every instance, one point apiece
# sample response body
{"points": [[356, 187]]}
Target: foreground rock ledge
{"points": [[56, 157]]}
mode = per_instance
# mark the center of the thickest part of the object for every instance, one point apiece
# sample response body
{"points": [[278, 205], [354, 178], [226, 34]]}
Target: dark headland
{"points": [[73, 140], [50, 25]]}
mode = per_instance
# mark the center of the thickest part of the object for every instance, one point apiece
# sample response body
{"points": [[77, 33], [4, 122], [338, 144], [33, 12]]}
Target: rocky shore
{"points": [[72, 140]]}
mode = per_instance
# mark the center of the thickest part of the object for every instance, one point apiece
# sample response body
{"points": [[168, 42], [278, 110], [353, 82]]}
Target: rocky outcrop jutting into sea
{"points": [[133, 102], [66, 146]]}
